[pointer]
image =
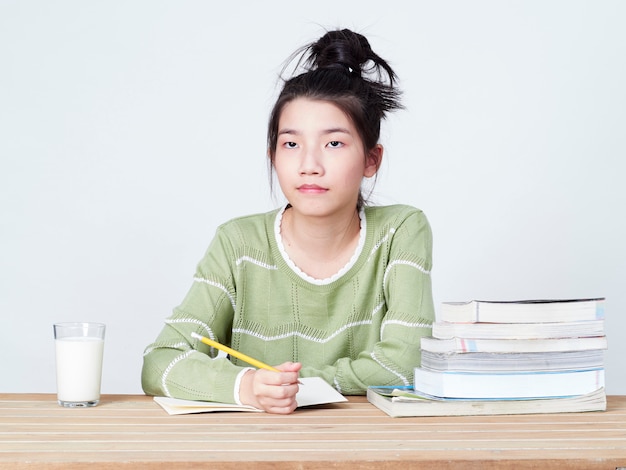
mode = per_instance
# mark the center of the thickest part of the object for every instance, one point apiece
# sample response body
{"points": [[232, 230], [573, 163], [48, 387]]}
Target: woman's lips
{"points": [[311, 189]]}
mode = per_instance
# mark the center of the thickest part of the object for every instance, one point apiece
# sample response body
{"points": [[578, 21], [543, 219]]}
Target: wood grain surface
{"points": [[127, 431]]}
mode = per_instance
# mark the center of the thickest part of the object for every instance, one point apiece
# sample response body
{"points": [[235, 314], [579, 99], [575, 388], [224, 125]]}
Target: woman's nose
{"points": [[310, 163]]}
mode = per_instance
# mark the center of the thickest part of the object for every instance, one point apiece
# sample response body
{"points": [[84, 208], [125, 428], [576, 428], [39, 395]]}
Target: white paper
{"points": [[313, 391]]}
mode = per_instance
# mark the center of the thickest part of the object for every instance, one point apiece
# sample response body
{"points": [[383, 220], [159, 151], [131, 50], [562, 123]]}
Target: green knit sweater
{"points": [[361, 327]]}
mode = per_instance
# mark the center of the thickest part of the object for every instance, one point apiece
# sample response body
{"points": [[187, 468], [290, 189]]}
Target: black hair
{"points": [[341, 68]]}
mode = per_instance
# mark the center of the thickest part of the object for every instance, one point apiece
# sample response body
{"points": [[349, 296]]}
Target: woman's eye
{"points": [[290, 145], [334, 144]]}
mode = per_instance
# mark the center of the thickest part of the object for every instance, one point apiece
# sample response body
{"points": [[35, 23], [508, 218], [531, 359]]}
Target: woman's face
{"points": [[320, 160]]}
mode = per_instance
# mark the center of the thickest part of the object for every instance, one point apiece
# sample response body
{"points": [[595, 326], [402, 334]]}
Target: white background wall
{"points": [[130, 129]]}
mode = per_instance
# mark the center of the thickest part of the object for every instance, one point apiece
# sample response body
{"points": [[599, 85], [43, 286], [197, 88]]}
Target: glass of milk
{"points": [[79, 348]]}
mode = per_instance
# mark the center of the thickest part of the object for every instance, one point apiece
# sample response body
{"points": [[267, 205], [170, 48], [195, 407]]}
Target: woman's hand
{"points": [[273, 392]]}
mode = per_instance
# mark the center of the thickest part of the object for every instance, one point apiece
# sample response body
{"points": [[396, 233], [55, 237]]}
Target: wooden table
{"points": [[127, 431]]}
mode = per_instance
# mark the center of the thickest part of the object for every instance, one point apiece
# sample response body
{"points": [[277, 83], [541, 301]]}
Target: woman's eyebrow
{"points": [[288, 131], [330, 130]]}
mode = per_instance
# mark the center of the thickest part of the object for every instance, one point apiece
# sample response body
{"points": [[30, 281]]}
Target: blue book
{"points": [[506, 385]]}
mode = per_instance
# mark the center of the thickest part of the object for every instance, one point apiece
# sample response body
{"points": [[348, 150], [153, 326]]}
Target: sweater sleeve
{"points": [[180, 366], [408, 317]]}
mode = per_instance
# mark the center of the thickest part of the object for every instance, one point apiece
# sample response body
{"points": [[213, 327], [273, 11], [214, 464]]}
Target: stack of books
{"points": [[542, 356]]}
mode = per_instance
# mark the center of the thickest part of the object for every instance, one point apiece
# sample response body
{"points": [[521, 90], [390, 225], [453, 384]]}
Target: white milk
{"points": [[79, 368]]}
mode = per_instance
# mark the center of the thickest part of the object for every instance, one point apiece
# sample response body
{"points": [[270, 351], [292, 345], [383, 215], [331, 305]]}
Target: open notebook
{"points": [[313, 391]]}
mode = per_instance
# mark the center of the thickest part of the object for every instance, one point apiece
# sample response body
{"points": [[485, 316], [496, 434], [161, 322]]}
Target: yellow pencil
{"points": [[232, 352]]}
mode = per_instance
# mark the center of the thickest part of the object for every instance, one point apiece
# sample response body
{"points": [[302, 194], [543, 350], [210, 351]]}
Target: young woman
{"points": [[325, 286]]}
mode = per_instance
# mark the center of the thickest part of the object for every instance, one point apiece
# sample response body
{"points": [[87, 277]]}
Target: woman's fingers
{"points": [[271, 391]]}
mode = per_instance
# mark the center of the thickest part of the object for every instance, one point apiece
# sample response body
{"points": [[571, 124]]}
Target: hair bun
{"points": [[350, 51], [341, 48]]}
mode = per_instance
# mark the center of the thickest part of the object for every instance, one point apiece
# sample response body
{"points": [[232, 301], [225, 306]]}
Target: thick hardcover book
{"points": [[402, 402], [506, 362], [523, 311], [505, 385], [578, 329], [465, 345]]}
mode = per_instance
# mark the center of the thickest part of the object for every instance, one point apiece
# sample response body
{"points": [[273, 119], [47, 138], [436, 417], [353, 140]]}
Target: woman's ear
{"points": [[373, 160]]}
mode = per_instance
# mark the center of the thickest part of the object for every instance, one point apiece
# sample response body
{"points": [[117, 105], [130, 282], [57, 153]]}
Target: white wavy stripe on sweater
{"points": [[397, 374], [336, 385], [380, 242], [194, 321], [397, 262], [402, 323], [181, 345], [302, 335], [169, 368], [307, 337], [257, 262], [219, 286], [290, 334], [378, 308]]}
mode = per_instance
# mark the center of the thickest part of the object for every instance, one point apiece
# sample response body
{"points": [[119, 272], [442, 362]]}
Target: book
{"points": [[523, 311], [401, 402], [178, 406], [313, 391], [579, 329], [504, 385], [466, 345], [506, 362]]}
